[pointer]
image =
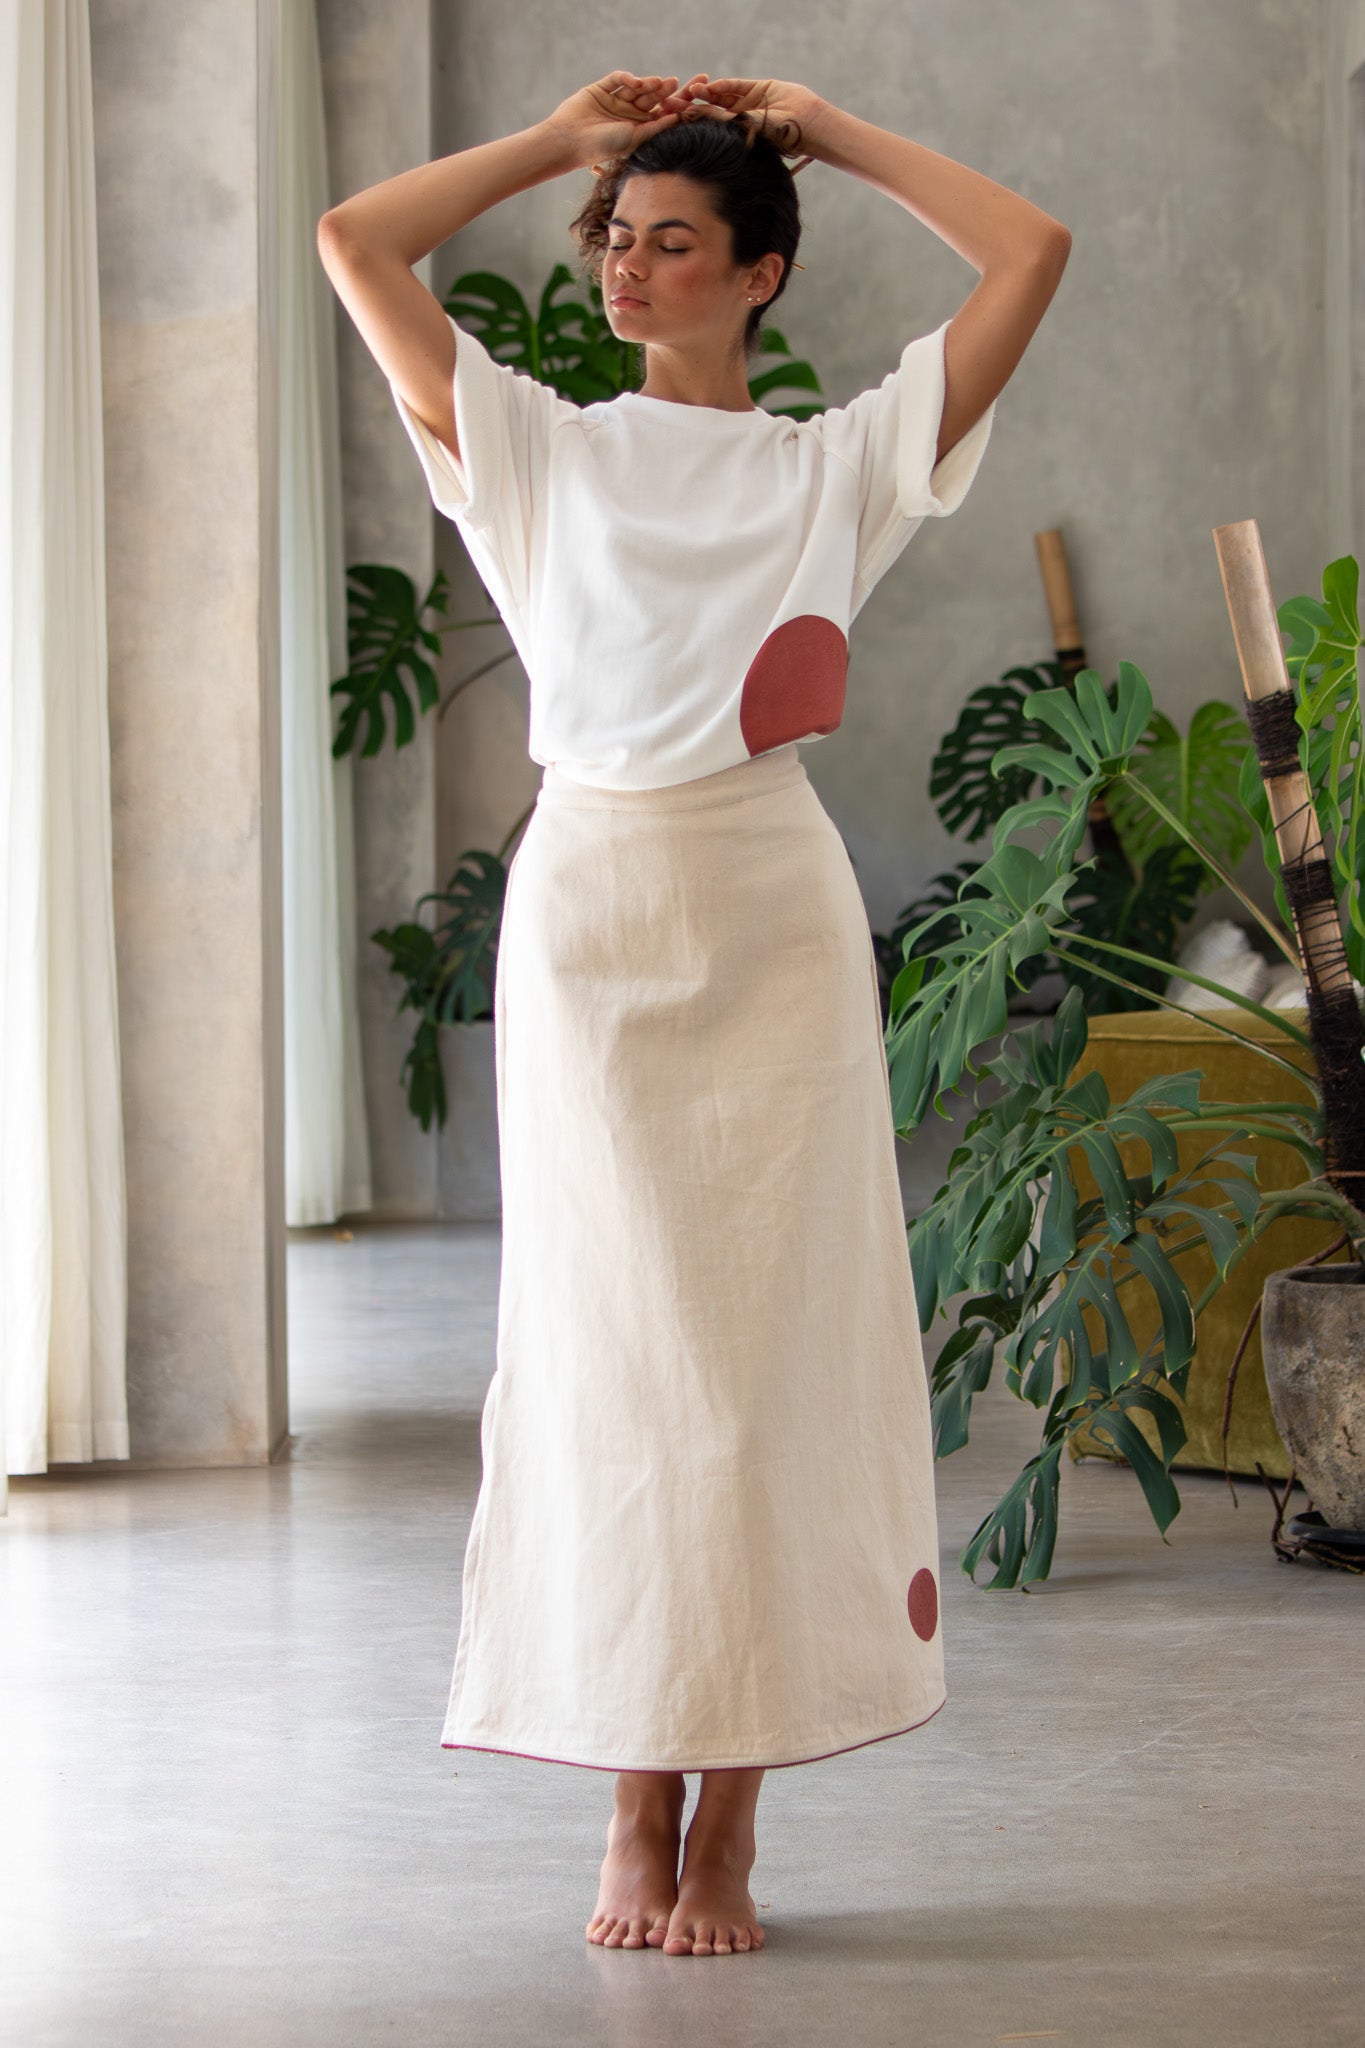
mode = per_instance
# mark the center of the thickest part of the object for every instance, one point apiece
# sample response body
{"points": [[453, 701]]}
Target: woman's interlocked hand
{"points": [[787, 114], [609, 117], [615, 113]]}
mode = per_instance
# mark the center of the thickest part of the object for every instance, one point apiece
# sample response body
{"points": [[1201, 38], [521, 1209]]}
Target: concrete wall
{"points": [[376, 57], [1176, 381], [180, 88], [1196, 367], [1344, 271]]}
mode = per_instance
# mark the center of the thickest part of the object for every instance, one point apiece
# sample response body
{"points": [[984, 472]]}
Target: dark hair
{"points": [[751, 187]]}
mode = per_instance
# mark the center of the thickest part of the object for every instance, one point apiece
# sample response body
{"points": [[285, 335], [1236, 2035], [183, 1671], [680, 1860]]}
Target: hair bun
{"points": [[785, 137]]}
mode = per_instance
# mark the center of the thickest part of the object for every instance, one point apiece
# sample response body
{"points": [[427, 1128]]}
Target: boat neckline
{"points": [[719, 415]]}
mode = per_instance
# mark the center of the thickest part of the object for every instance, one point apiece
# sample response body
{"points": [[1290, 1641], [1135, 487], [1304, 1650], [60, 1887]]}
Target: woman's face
{"points": [[668, 273]]}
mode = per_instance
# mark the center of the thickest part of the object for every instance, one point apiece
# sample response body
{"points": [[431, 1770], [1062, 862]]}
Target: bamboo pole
{"points": [[1061, 598], [1260, 653], [1069, 650], [1334, 1020]]}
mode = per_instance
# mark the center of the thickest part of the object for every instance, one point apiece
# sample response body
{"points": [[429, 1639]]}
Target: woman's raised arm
{"points": [[1020, 250], [369, 243]]}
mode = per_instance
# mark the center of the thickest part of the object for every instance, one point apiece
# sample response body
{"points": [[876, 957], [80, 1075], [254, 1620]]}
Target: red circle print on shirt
{"points": [[795, 683], [923, 1604]]}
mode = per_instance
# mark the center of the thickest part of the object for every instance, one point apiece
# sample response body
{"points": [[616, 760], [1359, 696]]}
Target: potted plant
{"points": [[1309, 749], [448, 971], [1035, 1263]]}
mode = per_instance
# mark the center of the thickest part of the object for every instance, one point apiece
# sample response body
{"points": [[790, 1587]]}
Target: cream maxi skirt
{"points": [[705, 1534]]}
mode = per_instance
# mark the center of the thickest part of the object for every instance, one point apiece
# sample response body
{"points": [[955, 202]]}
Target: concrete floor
{"points": [[227, 1817]]}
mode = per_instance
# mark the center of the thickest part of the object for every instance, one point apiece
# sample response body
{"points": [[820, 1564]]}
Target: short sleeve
{"points": [[495, 491], [887, 435]]}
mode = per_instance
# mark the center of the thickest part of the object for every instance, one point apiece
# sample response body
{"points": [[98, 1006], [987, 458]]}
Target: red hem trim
{"points": [[496, 1749]]}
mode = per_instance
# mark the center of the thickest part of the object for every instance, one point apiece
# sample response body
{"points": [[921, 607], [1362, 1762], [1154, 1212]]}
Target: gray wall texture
{"points": [[184, 192], [1196, 367], [1175, 383], [1201, 363], [376, 60]]}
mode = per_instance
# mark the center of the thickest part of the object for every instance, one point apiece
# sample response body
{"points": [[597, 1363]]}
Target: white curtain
{"points": [[327, 1152], [63, 1208]]}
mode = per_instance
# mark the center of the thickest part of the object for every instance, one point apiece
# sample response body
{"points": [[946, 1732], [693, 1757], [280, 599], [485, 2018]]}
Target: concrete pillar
{"points": [[376, 59], [184, 121], [1343, 132]]}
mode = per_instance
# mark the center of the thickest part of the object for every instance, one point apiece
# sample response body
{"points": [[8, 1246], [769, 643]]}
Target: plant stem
{"points": [[1277, 1018], [1154, 802], [1094, 967], [465, 681], [1304, 1144]]}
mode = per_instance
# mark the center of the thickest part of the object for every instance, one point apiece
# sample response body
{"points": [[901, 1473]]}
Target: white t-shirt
{"points": [[679, 580]]}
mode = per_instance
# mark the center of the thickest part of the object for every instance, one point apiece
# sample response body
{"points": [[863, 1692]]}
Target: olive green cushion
{"points": [[1130, 1047]]}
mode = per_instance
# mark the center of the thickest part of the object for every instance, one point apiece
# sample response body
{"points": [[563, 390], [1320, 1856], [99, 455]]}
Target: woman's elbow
{"points": [[1059, 244], [331, 233]]}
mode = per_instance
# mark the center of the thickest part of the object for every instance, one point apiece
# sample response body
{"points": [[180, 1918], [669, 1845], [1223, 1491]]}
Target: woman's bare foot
{"points": [[639, 1880], [715, 1912]]}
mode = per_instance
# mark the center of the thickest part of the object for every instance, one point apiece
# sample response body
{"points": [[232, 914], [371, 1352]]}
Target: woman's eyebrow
{"points": [[617, 222]]}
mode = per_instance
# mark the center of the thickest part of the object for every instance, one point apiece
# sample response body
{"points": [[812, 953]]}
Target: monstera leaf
{"points": [[1011, 1229], [947, 1002], [939, 894], [386, 636], [968, 793], [792, 373], [565, 343], [1322, 661], [448, 972]]}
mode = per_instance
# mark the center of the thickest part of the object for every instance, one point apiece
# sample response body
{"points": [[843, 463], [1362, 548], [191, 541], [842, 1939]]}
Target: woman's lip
{"points": [[627, 299]]}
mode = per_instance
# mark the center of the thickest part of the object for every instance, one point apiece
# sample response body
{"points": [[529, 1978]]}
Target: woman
{"points": [[705, 1535]]}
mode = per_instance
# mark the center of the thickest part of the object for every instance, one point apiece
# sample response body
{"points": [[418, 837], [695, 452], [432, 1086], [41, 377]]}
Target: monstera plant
{"points": [[1010, 1238], [447, 972], [1144, 881]]}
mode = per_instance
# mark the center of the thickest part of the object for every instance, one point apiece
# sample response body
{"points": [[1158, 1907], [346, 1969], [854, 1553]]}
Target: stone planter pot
{"points": [[1313, 1344], [469, 1188]]}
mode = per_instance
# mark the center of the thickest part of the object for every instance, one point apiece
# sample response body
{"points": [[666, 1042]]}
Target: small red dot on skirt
{"points": [[922, 1604]]}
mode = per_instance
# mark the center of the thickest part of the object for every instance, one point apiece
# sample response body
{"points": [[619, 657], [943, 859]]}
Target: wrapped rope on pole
{"points": [[1335, 1026]]}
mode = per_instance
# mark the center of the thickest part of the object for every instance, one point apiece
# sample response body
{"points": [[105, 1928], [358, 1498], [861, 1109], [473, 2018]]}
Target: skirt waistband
{"points": [[758, 776]]}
